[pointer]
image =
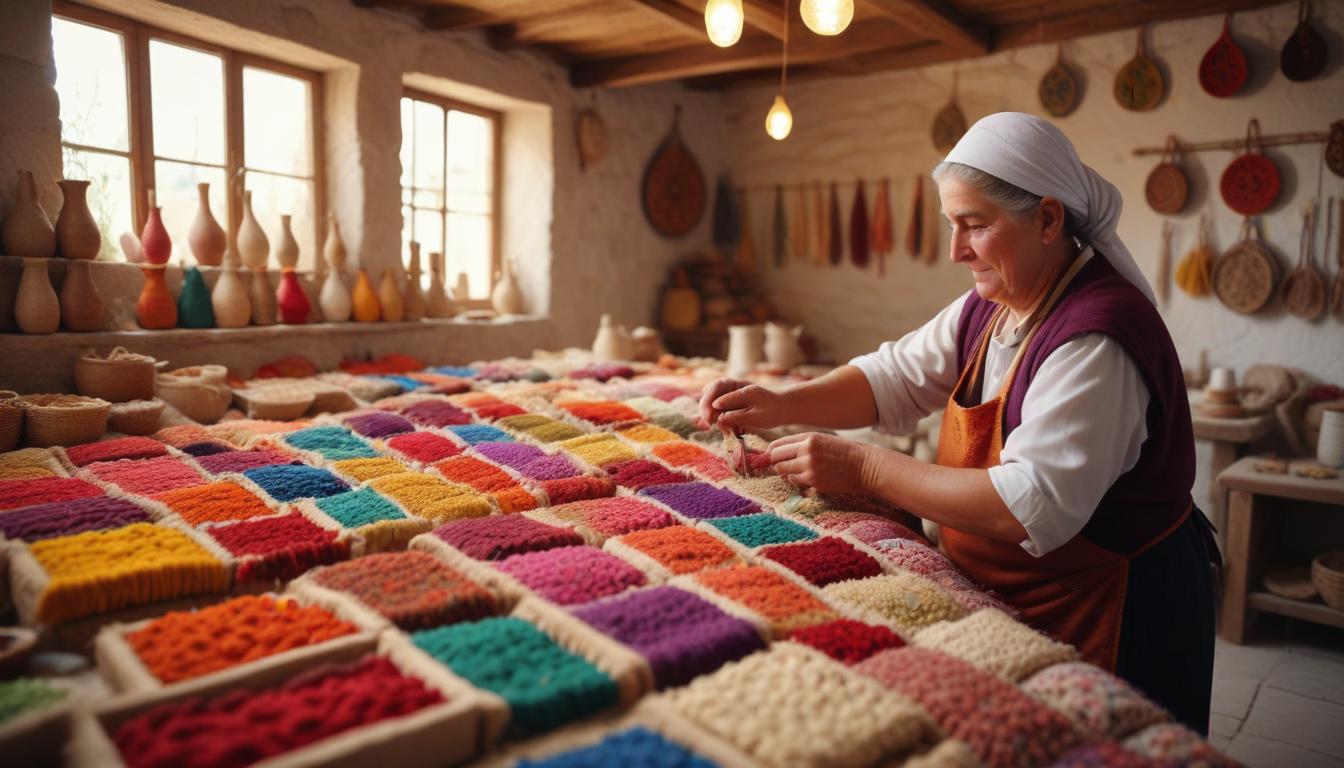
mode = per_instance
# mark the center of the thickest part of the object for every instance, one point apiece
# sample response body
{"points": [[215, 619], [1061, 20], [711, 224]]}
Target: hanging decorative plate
{"points": [[590, 131], [1245, 277], [949, 125], [1250, 184], [1059, 90], [1167, 188], [1334, 151], [1304, 55], [1223, 70], [1138, 84], [673, 190]]}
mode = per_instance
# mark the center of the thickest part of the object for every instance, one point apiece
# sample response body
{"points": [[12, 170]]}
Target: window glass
{"points": [[187, 102], [91, 84]]}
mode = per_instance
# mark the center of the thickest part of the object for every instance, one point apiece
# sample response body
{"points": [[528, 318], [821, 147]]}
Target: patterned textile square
{"points": [[331, 443], [425, 447], [147, 476], [280, 547], [541, 428], [432, 498], [119, 448], [824, 561], [760, 530], [572, 575], [701, 501], [436, 413], [599, 449], [641, 473], [378, 424], [847, 640], [499, 536], [241, 461], [678, 548], [218, 502], [44, 490], [783, 603], [66, 518], [290, 482], [367, 469], [413, 590], [636, 746], [613, 516]]}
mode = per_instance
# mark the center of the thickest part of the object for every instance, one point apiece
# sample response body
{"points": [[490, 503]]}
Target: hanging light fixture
{"points": [[827, 17], [723, 21], [779, 120]]}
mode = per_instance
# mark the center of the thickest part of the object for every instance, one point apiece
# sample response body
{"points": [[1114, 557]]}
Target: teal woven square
{"points": [[760, 530], [362, 507]]}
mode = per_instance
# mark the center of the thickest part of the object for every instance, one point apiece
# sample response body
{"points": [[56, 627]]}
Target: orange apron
{"points": [[1075, 593]]}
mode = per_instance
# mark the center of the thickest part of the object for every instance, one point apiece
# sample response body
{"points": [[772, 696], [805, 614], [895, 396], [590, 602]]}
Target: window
{"points": [[145, 109], [450, 186]]}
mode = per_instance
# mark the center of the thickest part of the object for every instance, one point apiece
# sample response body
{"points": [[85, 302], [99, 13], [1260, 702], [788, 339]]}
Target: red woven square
{"points": [[44, 490], [279, 547], [120, 448], [640, 473], [425, 447], [567, 489], [148, 476], [847, 640], [605, 412], [824, 561]]}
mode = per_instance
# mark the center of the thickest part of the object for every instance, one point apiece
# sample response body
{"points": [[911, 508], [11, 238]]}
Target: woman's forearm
{"points": [[842, 399], [964, 499]]}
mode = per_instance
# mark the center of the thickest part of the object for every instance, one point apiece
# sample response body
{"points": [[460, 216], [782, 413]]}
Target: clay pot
{"points": [[366, 307], [156, 310], [262, 296], [27, 231], [155, 245], [82, 308], [389, 298], [287, 248], [506, 298], [334, 298], [194, 305], [461, 290], [36, 309], [229, 300], [437, 303], [77, 234], [253, 246], [612, 341], [206, 237], [782, 348], [10, 273], [414, 296], [334, 249], [291, 299]]}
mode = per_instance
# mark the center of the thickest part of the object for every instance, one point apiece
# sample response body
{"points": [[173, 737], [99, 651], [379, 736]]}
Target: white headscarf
{"points": [[1032, 154]]}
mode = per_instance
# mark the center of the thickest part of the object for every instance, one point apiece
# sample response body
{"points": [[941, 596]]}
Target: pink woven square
{"points": [[572, 575], [148, 476], [120, 448]]}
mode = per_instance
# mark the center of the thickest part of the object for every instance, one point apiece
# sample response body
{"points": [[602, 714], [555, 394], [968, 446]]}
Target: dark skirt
{"points": [[1166, 634]]}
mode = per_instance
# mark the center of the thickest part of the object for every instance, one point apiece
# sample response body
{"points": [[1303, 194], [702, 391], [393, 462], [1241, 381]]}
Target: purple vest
{"points": [[1151, 497]]}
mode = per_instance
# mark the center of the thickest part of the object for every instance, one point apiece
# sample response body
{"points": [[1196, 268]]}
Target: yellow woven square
{"points": [[648, 433], [599, 450], [364, 470], [26, 463], [429, 497]]}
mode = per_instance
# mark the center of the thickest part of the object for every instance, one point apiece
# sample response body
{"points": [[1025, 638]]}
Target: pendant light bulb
{"points": [[827, 17], [779, 121], [723, 21]]}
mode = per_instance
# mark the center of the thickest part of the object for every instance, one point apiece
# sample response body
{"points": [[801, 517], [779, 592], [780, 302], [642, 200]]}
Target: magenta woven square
{"points": [[241, 461], [66, 518], [701, 500], [572, 575], [436, 413], [379, 424], [641, 473], [499, 536]]}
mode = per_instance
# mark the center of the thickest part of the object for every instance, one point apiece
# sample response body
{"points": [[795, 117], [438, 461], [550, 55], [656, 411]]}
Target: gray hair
{"points": [[1010, 197]]}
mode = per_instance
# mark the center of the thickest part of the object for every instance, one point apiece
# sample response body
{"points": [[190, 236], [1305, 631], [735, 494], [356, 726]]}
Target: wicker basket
{"points": [[64, 419], [11, 420], [1327, 573], [282, 402], [118, 378], [199, 392], [138, 417]]}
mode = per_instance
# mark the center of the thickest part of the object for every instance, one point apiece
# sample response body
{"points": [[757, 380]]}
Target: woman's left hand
{"points": [[826, 463]]}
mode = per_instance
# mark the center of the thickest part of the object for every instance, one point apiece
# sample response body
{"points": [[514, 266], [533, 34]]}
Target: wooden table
{"points": [[1230, 438], [1250, 507]]}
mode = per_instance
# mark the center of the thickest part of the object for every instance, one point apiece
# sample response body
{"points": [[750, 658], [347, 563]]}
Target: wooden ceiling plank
{"points": [[681, 16], [1108, 18], [766, 16], [445, 18], [936, 19]]}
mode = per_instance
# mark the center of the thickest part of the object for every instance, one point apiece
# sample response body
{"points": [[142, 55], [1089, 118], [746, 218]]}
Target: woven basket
{"points": [[64, 419], [11, 420], [118, 378], [1327, 573], [199, 392], [138, 417], [282, 402]]}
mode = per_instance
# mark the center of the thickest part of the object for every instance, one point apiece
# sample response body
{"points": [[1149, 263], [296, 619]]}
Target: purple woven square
{"points": [[499, 536], [436, 413], [206, 448], [701, 500], [680, 634], [241, 461], [379, 424], [514, 455], [553, 467], [65, 518]]}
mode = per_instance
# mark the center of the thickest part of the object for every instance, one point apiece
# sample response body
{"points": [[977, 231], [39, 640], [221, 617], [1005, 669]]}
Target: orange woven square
{"points": [[476, 473], [215, 502], [647, 433], [687, 454], [763, 591], [679, 548], [604, 412]]}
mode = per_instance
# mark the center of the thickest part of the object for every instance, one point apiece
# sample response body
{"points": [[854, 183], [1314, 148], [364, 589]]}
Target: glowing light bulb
{"points": [[779, 121], [827, 17], [723, 21]]}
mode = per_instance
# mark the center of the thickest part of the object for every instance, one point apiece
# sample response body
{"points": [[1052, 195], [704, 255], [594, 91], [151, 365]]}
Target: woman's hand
{"points": [[827, 463], [741, 405]]}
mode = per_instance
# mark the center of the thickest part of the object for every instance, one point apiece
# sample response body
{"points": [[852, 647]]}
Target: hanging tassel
{"points": [[932, 227], [836, 250], [879, 239], [821, 240], [915, 225], [746, 250], [799, 246], [780, 229], [727, 224], [858, 228]]}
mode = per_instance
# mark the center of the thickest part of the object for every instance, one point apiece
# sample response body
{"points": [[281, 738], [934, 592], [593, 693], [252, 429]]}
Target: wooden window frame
{"points": [[496, 118], [136, 37]]}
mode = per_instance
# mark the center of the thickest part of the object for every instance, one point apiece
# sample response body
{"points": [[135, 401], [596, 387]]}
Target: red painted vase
{"points": [[291, 300], [154, 241]]}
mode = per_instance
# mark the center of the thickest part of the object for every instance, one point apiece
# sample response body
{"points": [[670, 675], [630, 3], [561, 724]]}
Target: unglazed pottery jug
{"points": [[36, 309], [413, 298], [506, 298], [781, 345], [437, 303], [745, 343], [77, 234], [253, 245], [334, 298], [262, 296], [366, 307], [286, 248], [612, 341], [389, 298], [206, 237], [27, 231], [82, 307], [233, 309]]}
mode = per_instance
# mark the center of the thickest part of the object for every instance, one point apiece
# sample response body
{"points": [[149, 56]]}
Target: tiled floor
{"points": [[1280, 702]]}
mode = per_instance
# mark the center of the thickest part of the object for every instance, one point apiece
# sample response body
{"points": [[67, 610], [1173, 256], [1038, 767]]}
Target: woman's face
{"points": [[1005, 253]]}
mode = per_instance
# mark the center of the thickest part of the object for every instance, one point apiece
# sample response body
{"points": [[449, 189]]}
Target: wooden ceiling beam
{"points": [[452, 19], [765, 15], [935, 19], [681, 16], [1108, 18]]}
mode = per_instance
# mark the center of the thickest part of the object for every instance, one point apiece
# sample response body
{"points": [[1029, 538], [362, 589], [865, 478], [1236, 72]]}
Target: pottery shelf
{"points": [[269, 331]]}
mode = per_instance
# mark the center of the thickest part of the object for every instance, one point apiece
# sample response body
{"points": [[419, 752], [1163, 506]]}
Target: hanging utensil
{"points": [[1304, 288], [1245, 277], [746, 249], [880, 236], [727, 224], [1059, 90], [929, 231], [1167, 188], [1223, 71], [858, 228], [1334, 151], [1337, 292], [799, 232], [915, 224], [673, 188], [779, 228], [1195, 271], [949, 125], [1304, 55], [836, 231], [822, 230], [1250, 184], [1139, 85], [590, 131], [1164, 265]]}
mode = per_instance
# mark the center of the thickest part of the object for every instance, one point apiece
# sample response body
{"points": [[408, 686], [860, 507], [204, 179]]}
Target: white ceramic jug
{"points": [[745, 347], [781, 345], [612, 341]]}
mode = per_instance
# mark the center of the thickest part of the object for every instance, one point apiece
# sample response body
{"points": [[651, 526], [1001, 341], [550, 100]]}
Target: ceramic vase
{"points": [[745, 348], [781, 345], [414, 296], [506, 298], [82, 308], [612, 341], [36, 309], [229, 300], [156, 310], [206, 237], [389, 298], [461, 290], [437, 303], [286, 248], [253, 245], [27, 230], [77, 234], [364, 300], [291, 299], [262, 296], [1330, 443], [194, 307], [333, 251], [155, 245], [334, 297]]}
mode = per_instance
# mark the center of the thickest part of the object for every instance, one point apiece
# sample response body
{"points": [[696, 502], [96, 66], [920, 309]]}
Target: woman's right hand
{"points": [[742, 405]]}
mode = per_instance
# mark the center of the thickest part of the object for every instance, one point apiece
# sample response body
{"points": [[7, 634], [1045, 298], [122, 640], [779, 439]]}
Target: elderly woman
{"points": [[1066, 456]]}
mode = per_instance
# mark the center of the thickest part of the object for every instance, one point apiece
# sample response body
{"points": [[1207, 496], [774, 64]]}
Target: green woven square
{"points": [[362, 507], [760, 530]]}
